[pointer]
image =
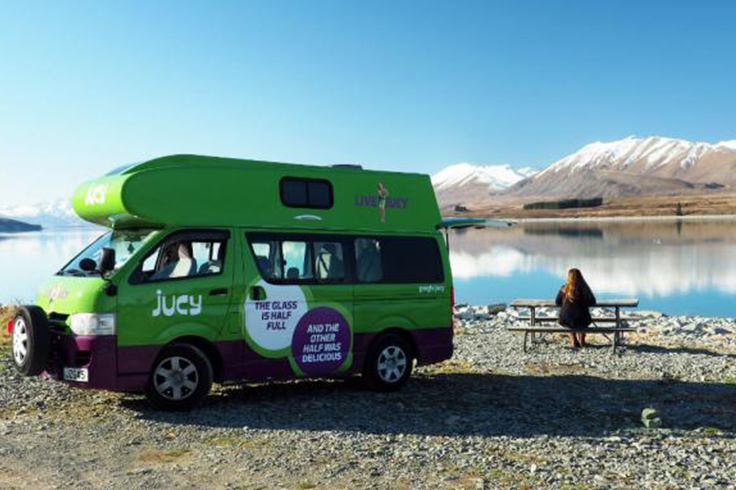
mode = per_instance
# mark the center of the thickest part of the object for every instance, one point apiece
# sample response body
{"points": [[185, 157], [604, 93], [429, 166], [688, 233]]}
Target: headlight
{"points": [[93, 323]]}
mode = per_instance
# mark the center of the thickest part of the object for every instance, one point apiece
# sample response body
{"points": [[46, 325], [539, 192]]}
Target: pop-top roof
{"points": [[190, 190]]}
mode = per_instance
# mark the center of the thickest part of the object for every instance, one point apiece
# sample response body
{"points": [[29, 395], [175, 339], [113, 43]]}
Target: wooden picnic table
{"points": [[617, 304], [534, 320]]}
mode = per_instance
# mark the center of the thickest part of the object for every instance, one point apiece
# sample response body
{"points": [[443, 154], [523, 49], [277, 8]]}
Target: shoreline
{"points": [[660, 218], [577, 219], [596, 311], [691, 329]]}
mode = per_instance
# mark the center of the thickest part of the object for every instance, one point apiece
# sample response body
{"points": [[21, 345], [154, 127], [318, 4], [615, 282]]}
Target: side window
{"points": [[320, 194], [149, 265], [411, 260], [183, 255], [309, 259], [306, 193], [329, 261], [297, 260], [368, 260], [268, 258], [207, 257], [294, 192]]}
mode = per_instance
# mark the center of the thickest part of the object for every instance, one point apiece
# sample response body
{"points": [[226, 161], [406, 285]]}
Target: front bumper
{"points": [[98, 355]]}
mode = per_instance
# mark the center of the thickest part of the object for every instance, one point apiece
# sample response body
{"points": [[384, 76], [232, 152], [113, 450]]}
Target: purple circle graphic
{"points": [[321, 341]]}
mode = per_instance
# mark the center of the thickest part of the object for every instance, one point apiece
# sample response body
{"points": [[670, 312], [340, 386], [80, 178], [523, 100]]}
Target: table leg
{"points": [[618, 317], [617, 335]]}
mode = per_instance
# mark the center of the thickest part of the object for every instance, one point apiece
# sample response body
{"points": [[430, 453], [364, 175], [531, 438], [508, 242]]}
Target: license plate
{"points": [[74, 374]]}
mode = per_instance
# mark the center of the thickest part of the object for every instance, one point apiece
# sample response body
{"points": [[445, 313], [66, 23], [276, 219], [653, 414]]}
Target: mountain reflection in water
{"points": [[27, 260], [683, 267], [686, 267]]}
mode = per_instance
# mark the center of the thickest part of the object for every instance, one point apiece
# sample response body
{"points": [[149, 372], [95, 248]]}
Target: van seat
{"points": [[183, 267], [264, 265], [329, 264], [212, 267]]}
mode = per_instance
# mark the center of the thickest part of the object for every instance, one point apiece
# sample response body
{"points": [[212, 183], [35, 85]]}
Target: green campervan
{"points": [[219, 270]]}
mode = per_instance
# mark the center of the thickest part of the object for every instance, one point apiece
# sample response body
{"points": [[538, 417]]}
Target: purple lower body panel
{"points": [[432, 345], [128, 368], [98, 355], [240, 362]]}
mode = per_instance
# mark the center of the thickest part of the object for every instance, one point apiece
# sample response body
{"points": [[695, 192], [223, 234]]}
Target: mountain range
{"points": [[50, 214], [14, 226], [465, 182], [632, 167]]}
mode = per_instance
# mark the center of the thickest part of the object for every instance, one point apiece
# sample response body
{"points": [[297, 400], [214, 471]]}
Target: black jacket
{"points": [[575, 314]]}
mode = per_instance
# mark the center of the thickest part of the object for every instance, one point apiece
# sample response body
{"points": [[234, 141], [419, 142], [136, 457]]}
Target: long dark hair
{"points": [[575, 285]]}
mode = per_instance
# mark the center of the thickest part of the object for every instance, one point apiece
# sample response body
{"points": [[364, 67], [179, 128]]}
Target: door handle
{"points": [[257, 293], [219, 292]]}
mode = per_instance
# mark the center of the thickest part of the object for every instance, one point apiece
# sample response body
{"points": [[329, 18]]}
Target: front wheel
{"points": [[181, 378], [389, 363], [31, 343]]}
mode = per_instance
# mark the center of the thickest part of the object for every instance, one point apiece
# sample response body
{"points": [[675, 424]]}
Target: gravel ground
{"points": [[493, 417]]}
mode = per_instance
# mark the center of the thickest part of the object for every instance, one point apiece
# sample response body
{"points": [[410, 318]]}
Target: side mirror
{"points": [[107, 261], [88, 265]]}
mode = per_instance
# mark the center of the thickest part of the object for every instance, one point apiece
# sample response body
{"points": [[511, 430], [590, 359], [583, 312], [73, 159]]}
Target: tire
{"points": [[181, 378], [30, 341], [389, 363]]}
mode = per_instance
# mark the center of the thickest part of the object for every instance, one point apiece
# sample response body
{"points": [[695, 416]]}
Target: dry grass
{"points": [[6, 313], [452, 366], [716, 203]]}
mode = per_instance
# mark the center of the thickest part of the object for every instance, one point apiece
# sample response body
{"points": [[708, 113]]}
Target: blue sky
{"points": [[407, 85]]}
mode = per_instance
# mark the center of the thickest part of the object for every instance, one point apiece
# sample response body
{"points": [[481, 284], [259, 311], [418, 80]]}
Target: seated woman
{"points": [[574, 299]]}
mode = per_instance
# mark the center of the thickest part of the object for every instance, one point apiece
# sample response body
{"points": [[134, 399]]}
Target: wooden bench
{"points": [[617, 331]]}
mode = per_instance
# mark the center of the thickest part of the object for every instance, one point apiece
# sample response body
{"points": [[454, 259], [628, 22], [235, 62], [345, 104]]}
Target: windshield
{"points": [[125, 244]]}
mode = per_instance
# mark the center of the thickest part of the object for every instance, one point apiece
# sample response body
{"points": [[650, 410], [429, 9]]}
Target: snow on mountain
{"points": [[56, 213], [495, 177], [727, 145], [636, 166], [465, 183], [648, 154]]}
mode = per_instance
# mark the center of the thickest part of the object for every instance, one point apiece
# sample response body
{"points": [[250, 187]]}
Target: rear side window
{"points": [[329, 261], [267, 254], [306, 193], [326, 259], [299, 259], [298, 262], [368, 263], [410, 260]]}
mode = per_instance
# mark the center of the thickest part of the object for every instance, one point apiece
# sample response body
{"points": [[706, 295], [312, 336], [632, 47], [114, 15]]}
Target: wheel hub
{"points": [[20, 340], [392, 364], [176, 378]]}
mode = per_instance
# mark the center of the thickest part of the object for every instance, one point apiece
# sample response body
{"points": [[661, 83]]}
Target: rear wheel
{"points": [[181, 378], [389, 364], [30, 341]]}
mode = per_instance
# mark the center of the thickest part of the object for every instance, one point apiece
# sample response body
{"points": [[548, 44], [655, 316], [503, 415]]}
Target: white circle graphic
{"points": [[271, 322]]}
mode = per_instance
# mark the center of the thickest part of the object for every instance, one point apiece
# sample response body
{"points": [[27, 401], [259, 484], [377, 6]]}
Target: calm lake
{"points": [[681, 268]]}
